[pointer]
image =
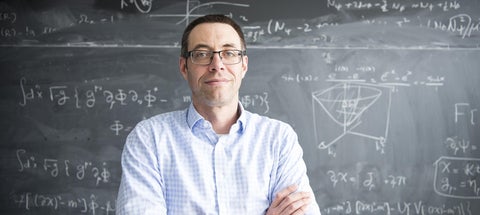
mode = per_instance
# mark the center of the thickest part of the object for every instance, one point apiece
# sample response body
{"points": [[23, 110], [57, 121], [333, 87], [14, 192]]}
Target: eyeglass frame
{"points": [[189, 55]]}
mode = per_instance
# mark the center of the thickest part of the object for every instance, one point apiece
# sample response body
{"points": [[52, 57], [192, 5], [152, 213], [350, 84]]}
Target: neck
{"points": [[221, 117]]}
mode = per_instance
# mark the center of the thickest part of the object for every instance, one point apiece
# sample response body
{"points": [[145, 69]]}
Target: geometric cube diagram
{"points": [[348, 106]]}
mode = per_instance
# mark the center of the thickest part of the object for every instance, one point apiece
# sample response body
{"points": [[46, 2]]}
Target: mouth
{"points": [[216, 81]]}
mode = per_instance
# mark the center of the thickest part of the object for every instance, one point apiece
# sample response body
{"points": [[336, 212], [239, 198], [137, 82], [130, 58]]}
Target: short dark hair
{"points": [[213, 18]]}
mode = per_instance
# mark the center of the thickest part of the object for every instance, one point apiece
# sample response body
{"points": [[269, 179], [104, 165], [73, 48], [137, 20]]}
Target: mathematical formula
{"points": [[462, 24], [386, 5], [365, 74], [87, 98], [459, 146], [368, 180], [457, 177], [84, 205], [15, 29], [402, 208], [78, 170]]}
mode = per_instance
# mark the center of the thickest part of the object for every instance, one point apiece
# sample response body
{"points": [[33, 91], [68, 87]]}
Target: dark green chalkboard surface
{"points": [[384, 95]]}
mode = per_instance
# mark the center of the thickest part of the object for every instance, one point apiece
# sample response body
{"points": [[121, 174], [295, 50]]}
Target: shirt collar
{"points": [[195, 119]]}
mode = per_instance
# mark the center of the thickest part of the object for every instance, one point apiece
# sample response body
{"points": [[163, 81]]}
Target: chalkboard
{"points": [[384, 95]]}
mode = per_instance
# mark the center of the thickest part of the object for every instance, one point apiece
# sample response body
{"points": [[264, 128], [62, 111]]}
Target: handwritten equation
{"points": [[258, 101], [457, 177], [87, 98], [386, 5], [392, 77], [369, 180], [55, 168], [405, 208], [145, 6], [459, 146], [13, 29], [311, 31], [461, 24], [57, 202], [366, 74]]}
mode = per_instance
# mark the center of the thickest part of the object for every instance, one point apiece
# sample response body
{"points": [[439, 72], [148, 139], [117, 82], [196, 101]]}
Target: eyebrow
{"points": [[227, 45]]}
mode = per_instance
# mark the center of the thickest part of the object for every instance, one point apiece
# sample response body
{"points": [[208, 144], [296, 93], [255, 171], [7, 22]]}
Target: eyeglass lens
{"points": [[204, 57]]}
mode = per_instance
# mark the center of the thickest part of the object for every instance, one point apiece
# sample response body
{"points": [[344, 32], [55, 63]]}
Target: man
{"points": [[214, 157]]}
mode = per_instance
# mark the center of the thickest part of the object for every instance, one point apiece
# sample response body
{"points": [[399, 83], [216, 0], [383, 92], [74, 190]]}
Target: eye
{"points": [[201, 54], [230, 53]]}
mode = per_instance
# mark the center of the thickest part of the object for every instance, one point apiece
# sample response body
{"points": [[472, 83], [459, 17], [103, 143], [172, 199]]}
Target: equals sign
{"points": [[463, 184], [107, 20]]}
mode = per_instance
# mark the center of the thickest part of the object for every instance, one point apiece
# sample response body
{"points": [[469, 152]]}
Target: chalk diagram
{"points": [[192, 6], [347, 106]]}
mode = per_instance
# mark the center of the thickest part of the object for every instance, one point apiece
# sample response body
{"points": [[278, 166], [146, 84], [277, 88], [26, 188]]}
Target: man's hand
{"points": [[288, 202]]}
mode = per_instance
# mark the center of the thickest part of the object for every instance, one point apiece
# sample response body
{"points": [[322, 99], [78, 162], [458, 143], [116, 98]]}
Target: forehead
{"points": [[213, 36]]}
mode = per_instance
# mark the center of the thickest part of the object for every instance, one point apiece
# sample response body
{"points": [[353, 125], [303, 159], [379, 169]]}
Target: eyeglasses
{"points": [[204, 57]]}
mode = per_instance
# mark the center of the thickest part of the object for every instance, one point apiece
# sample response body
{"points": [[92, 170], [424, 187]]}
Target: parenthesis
{"points": [[35, 200], [56, 202], [267, 107], [269, 26], [265, 100], [27, 201], [14, 18]]}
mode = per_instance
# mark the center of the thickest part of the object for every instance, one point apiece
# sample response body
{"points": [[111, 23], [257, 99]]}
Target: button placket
{"points": [[220, 160]]}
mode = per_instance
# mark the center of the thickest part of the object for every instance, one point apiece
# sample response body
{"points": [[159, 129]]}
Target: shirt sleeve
{"points": [[292, 169], [141, 188]]}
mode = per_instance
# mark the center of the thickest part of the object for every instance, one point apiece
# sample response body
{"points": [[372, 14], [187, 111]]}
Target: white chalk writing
{"points": [[404, 208], [457, 177], [53, 167], [83, 205], [88, 96], [367, 180], [466, 113], [459, 146]]}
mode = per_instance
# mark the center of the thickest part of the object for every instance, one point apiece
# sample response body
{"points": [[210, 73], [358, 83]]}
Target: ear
{"points": [[182, 65], [244, 66]]}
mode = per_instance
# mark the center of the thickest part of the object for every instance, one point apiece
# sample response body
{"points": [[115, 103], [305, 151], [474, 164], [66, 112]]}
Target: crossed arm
{"points": [[287, 201]]}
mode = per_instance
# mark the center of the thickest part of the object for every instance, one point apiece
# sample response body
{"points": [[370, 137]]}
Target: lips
{"points": [[216, 81]]}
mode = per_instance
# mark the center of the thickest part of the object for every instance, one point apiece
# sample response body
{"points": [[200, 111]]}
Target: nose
{"points": [[216, 64]]}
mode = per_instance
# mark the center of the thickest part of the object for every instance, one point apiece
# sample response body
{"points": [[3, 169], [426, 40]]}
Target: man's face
{"points": [[215, 84]]}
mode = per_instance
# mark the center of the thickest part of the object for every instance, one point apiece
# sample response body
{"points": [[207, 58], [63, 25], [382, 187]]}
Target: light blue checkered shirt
{"points": [[174, 163]]}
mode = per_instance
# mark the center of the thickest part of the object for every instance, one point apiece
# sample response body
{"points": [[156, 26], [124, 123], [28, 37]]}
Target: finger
{"points": [[299, 195], [296, 204], [279, 197], [301, 210], [293, 197]]}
